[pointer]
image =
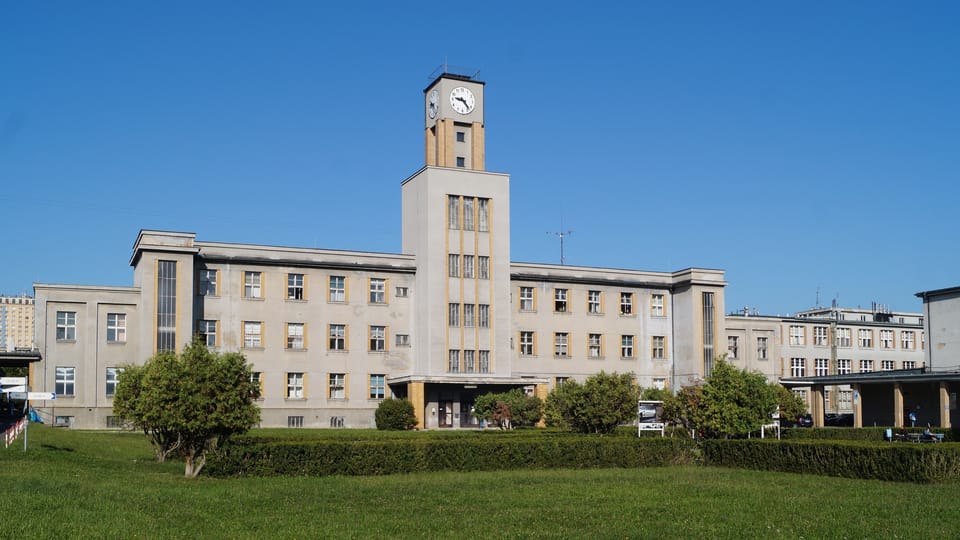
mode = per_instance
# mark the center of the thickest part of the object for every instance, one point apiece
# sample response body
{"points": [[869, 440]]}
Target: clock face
{"points": [[434, 104], [462, 100]]}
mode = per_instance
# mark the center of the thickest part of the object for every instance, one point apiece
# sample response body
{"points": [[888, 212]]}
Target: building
{"points": [[16, 323], [941, 311], [332, 333]]}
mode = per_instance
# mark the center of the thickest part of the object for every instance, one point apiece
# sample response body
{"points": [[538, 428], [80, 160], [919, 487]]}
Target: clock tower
{"points": [[453, 122]]}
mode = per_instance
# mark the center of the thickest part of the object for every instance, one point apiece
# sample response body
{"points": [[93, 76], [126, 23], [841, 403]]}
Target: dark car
{"points": [[838, 420], [801, 421]]}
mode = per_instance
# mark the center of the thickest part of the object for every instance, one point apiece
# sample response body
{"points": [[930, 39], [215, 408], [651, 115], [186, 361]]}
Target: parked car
{"points": [[801, 421], [838, 420]]}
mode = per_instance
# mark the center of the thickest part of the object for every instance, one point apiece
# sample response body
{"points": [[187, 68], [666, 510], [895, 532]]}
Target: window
{"points": [[453, 265], [252, 284], [761, 348], [483, 215], [906, 340], [469, 359], [560, 300], [843, 366], [453, 317], [560, 343], [338, 289], [378, 386], [626, 303], [453, 361], [733, 347], [886, 339], [166, 306], [558, 382], [378, 338], [460, 136], [659, 383], [923, 340], [403, 340], [113, 376], [338, 337], [845, 399], [526, 343], [483, 315], [626, 346], [378, 291], [909, 364], [483, 267], [207, 331], [252, 332], [593, 302], [208, 283], [461, 162], [821, 367], [802, 394], [337, 421], [888, 365], [843, 337], [66, 326], [114, 422], [866, 366], [797, 335], [296, 339], [295, 386], [467, 212], [453, 211], [865, 338], [658, 351], [820, 336], [656, 305], [295, 289], [116, 327], [294, 421], [798, 367], [337, 387], [468, 266], [526, 299], [484, 358], [402, 292], [709, 313], [595, 345], [256, 379], [65, 382], [468, 318]]}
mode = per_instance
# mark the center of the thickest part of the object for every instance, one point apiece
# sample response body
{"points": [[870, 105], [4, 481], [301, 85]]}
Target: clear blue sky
{"points": [[798, 146]]}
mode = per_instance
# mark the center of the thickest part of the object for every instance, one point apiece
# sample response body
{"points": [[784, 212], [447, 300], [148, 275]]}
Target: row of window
{"points": [[595, 346], [865, 337], [338, 336], [468, 315], [67, 326], [468, 213], [477, 266], [337, 287], [821, 366], [594, 302], [844, 398], [472, 361], [733, 347], [65, 380]]}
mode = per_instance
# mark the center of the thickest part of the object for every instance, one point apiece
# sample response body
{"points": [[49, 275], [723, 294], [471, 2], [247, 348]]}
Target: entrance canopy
{"points": [[18, 359]]}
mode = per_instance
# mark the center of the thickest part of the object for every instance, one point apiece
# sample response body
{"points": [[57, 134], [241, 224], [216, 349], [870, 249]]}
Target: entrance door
{"points": [[446, 414]]}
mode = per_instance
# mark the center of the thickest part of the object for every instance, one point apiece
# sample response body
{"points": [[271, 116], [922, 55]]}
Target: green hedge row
{"points": [[257, 457], [856, 434], [899, 462]]}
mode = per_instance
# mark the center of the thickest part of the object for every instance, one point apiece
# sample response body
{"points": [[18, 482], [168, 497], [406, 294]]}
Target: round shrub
{"points": [[395, 414]]}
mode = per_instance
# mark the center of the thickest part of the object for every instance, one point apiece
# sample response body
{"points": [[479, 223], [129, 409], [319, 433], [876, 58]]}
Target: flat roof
{"points": [[875, 377]]}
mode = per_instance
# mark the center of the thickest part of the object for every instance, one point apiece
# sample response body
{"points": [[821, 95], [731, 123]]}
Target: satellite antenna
{"points": [[562, 234]]}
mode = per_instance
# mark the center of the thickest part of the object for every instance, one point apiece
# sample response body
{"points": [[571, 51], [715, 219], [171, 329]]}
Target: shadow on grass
{"points": [[57, 448]]}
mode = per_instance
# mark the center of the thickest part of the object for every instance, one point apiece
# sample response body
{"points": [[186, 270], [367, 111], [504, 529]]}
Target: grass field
{"points": [[74, 484]]}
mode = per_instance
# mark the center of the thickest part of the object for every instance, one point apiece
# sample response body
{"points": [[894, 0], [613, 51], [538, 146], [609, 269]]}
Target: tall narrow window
{"points": [[821, 367], [295, 289], [207, 331], [658, 350], [560, 300], [338, 337], [378, 291], [626, 303], [761, 348], [483, 267], [453, 211], [66, 325], [208, 282], [468, 315], [338, 289], [468, 266], [906, 340], [166, 305], [378, 386], [483, 315], [484, 361], [116, 327], [593, 302], [338, 386], [886, 339], [454, 314], [453, 265], [252, 285], [295, 386], [733, 347], [656, 305], [483, 215], [526, 343], [595, 345], [453, 361], [626, 346], [112, 376], [378, 338], [560, 344], [526, 299], [469, 359], [295, 336], [252, 332], [708, 318], [468, 213], [65, 381]]}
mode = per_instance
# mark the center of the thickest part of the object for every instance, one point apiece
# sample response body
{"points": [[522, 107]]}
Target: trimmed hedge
{"points": [[856, 434], [249, 456], [899, 462]]}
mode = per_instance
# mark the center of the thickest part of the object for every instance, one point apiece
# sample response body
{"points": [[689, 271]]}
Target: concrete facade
{"points": [[16, 323]]}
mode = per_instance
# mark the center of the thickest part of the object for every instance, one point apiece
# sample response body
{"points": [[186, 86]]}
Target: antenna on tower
{"points": [[562, 234]]}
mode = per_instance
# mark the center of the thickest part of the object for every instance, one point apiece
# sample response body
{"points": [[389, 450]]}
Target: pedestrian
{"points": [[913, 419]]}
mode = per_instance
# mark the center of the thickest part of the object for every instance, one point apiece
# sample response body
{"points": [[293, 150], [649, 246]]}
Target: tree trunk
{"points": [[193, 464]]}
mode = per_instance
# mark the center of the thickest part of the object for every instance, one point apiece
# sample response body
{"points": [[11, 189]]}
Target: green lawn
{"points": [[81, 484]]}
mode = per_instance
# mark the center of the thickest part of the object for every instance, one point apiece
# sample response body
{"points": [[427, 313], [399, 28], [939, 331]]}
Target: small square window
{"points": [[461, 162], [461, 136]]}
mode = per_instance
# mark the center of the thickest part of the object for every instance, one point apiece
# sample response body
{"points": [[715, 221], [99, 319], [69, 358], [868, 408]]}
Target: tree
{"points": [[735, 401], [791, 405], [508, 409], [599, 405], [189, 403], [395, 414], [684, 408]]}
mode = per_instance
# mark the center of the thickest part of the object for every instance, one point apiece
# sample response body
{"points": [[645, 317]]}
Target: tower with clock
{"points": [[453, 122]]}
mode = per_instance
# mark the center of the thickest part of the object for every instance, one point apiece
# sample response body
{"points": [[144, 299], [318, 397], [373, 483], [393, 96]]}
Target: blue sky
{"points": [[798, 146]]}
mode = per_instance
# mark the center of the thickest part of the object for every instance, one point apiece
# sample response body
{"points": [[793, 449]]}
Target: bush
{"points": [[856, 434], [509, 409], [900, 462], [395, 414], [251, 456], [599, 405]]}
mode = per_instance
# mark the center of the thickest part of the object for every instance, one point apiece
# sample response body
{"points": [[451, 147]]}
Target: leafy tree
{"points": [[735, 401], [508, 409], [791, 405], [684, 408], [599, 405], [654, 394], [189, 403], [395, 414]]}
